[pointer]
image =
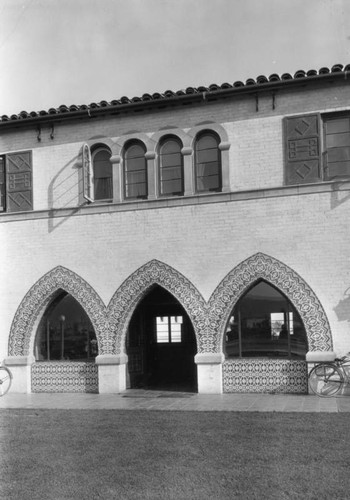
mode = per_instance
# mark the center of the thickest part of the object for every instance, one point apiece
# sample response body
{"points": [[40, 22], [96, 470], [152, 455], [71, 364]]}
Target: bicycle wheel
{"points": [[5, 380], [325, 380]]}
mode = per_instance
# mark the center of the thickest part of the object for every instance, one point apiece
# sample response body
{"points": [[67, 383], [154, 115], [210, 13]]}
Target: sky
{"points": [[55, 52]]}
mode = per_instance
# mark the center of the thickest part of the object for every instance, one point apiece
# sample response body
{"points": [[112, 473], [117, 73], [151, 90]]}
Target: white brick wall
{"points": [[310, 233], [202, 242]]}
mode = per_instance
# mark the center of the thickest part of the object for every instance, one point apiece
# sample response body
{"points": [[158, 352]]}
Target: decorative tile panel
{"points": [[266, 376], [261, 266], [209, 319], [63, 376]]}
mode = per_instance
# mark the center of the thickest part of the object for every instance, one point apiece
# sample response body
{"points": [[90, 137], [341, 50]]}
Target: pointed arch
{"points": [[41, 294], [136, 286], [263, 267]]}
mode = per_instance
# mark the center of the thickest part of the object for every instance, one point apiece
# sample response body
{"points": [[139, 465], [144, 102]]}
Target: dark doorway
{"points": [[161, 345]]}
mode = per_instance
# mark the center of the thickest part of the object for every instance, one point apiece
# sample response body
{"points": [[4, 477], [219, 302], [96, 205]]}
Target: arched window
{"points": [[265, 323], [208, 162], [65, 332], [171, 180], [102, 168], [135, 171]]}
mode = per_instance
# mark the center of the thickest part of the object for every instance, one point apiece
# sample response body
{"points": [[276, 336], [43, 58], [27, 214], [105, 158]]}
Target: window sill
{"points": [[99, 207]]}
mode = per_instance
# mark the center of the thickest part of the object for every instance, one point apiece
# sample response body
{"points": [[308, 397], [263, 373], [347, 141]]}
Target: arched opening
{"points": [[264, 323], [103, 176], [65, 332], [161, 344]]}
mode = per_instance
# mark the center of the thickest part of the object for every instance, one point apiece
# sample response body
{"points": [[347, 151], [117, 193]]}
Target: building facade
{"points": [[193, 240]]}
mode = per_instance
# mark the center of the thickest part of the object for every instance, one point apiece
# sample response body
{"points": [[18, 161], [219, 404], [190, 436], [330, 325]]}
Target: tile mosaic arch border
{"points": [[135, 287], [41, 294], [208, 319], [110, 323], [261, 266]]}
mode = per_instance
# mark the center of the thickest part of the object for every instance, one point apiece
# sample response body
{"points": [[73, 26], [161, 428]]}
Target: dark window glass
{"points": [[102, 175], [65, 332], [171, 168], [135, 172], [208, 163], [265, 323], [337, 145]]}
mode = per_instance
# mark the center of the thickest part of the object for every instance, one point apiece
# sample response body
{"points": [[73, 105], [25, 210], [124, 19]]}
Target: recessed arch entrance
{"points": [[161, 344]]}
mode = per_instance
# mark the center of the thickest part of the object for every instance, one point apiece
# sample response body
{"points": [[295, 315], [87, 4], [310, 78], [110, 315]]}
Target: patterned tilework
{"points": [[134, 288], [261, 266], [266, 376], [41, 294], [208, 319], [64, 377]]}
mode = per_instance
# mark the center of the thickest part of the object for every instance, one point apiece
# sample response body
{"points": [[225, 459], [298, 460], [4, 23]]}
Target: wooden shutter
{"points": [[2, 183], [88, 174], [302, 149], [19, 192]]}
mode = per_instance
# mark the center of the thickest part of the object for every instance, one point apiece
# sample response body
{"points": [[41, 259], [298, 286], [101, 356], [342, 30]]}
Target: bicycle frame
{"points": [[328, 378]]}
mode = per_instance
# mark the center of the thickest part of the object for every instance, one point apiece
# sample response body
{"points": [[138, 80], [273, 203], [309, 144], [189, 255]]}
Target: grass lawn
{"points": [[150, 455]]}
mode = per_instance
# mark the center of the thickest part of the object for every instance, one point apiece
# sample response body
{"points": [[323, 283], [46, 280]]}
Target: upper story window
{"points": [[16, 193], [317, 148], [135, 171], [337, 146], [208, 163], [171, 179], [102, 174], [97, 173]]}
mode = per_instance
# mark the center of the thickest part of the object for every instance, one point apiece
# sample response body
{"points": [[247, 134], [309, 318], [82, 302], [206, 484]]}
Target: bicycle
{"points": [[5, 380], [327, 378]]}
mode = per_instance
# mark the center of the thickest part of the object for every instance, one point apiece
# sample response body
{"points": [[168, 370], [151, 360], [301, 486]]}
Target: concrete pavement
{"points": [[179, 401]]}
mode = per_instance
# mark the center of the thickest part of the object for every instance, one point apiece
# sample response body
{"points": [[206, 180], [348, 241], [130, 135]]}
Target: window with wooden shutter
{"points": [[2, 184], [302, 149], [16, 182]]}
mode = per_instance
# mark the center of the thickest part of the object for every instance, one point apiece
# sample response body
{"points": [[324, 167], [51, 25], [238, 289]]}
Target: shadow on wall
{"points": [[342, 309], [65, 191], [340, 193]]}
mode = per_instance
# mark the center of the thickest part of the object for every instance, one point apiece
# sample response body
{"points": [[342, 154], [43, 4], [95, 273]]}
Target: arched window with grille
{"points": [[102, 173], [135, 171], [264, 323], [171, 175], [208, 162]]}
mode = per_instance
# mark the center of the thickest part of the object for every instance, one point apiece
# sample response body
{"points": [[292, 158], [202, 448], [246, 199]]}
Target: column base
{"points": [[209, 372], [111, 373], [20, 368]]}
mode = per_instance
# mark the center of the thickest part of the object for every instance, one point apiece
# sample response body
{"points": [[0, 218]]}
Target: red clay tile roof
{"points": [[214, 91]]}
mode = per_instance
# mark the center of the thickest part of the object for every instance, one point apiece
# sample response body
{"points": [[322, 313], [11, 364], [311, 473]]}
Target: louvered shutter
{"points": [[19, 193], [2, 183], [302, 149], [88, 174]]}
